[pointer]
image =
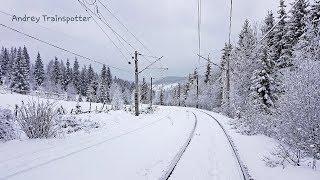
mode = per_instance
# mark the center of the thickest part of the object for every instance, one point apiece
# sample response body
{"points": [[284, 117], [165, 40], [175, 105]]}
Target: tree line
{"points": [[21, 75]]}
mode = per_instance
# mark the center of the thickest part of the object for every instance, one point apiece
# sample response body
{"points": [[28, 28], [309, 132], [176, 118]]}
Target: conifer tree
{"points": [[27, 59], [84, 81], [4, 63], [295, 28], [19, 81], [263, 88], [39, 71], [76, 76], [12, 58], [68, 75], [242, 65], [225, 81], [56, 73], [280, 32], [117, 97], [109, 77], [161, 97], [208, 73], [63, 75], [315, 14], [103, 86], [144, 92]]}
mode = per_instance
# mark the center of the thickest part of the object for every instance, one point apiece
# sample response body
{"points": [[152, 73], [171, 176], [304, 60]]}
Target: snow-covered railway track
{"points": [[244, 173], [178, 156]]}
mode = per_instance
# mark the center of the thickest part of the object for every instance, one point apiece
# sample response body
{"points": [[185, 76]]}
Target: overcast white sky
{"points": [[167, 27]]}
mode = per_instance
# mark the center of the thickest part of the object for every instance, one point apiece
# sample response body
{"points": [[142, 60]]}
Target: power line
{"points": [[58, 47], [126, 28], [107, 24], [276, 24], [199, 27], [104, 21], [86, 9], [230, 23]]}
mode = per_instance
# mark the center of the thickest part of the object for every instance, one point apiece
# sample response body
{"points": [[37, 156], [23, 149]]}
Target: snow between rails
{"points": [[178, 156], [243, 168]]}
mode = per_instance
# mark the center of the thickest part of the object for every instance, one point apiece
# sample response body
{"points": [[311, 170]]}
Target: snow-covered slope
{"points": [[170, 80]]}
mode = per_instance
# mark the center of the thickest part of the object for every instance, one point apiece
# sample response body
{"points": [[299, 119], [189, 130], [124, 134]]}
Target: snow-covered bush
{"points": [[71, 124], [7, 130], [37, 119]]}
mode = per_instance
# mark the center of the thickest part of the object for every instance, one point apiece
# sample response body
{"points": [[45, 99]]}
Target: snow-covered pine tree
{"points": [[315, 13], [12, 58], [109, 77], [27, 60], [208, 73], [242, 65], [103, 91], [280, 32], [84, 81], [91, 92], [144, 92], [161, 97], [39, 71], [68, 76], [4, 64], [225, 82], [295, 28], [117, 97], [20, 83], [63, 75], [56, 76], [263, 84], [76, 76]]}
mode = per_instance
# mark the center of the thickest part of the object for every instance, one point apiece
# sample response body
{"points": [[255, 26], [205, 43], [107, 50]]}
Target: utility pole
{"points": [[151, 92], [136, 93], [197, 80]]}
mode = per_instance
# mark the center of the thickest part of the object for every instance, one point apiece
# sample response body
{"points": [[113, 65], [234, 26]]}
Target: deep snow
{"points": [[129, 147]]}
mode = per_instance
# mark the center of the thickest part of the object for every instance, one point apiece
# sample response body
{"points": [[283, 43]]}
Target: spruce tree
{"points": [[84, 81], [103, 86], [242, 64], [39, 71], [63, 72], [263, 85], [225, 75], [12, 58], [68, 75], [56, 76], [76, 76], [315, 14], [4, 62], [295, 28], [109, 77], [161, 97], [20, 83], [27, 60], [280, 32], [144, 92], [208, 73]]}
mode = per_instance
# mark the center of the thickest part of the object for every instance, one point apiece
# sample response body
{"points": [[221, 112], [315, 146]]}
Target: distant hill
{"points": [[170, 80]]}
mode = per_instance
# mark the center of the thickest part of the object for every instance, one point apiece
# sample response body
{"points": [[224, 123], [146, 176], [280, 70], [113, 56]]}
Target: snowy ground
{"points": [[253, 148], [128, 147]]}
